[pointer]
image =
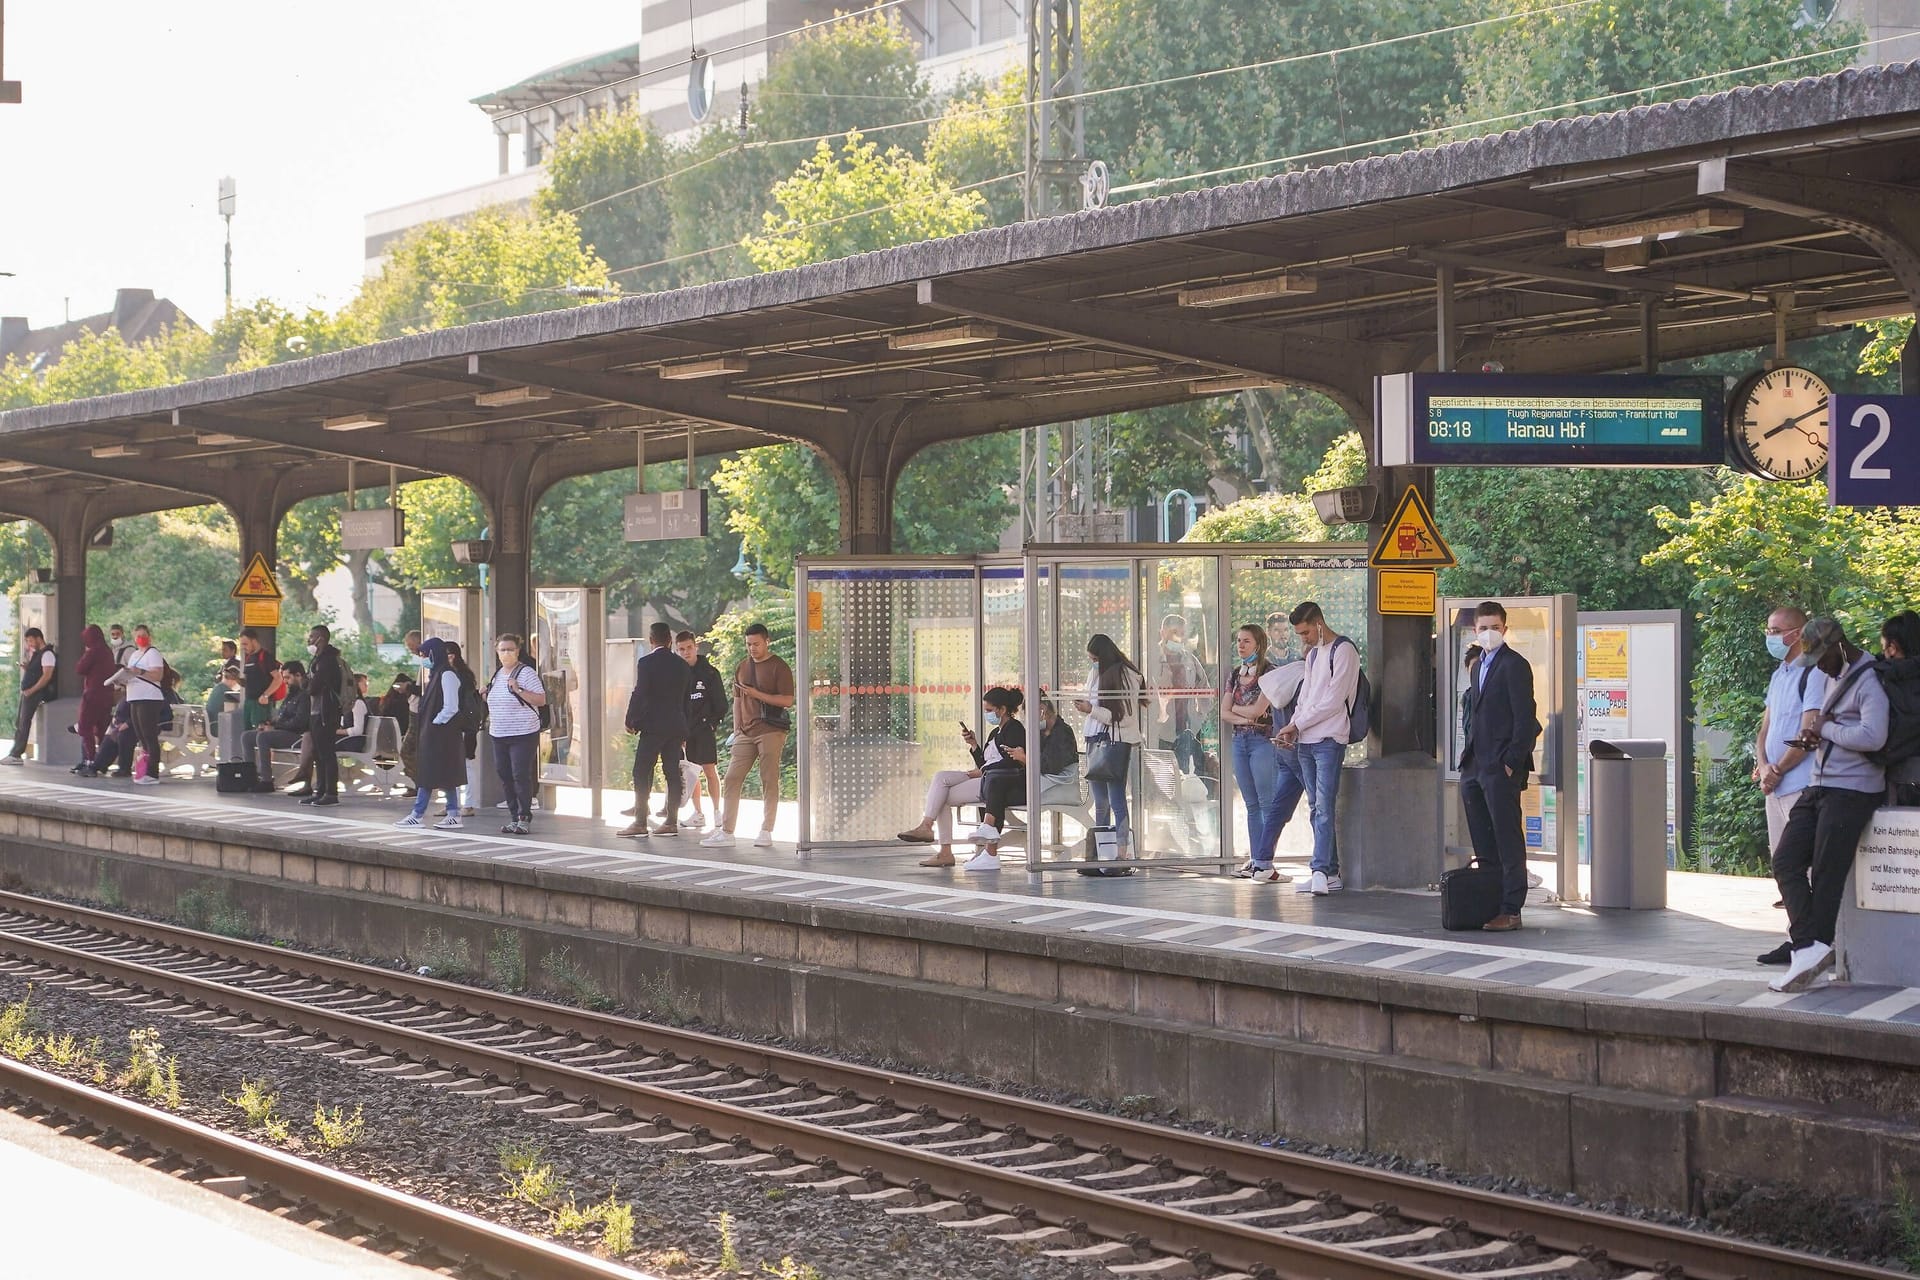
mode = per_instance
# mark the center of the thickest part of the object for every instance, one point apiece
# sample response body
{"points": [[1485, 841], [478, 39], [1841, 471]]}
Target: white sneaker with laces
{"points": [[449, 823], [985, 860], [1318, 886], [1269, 875], [1533, 880], [985, 833], [1335, 884], [1808, 963], [764, 840], [410, 821], [1244, 871], [718, 838], [1303, 886]]}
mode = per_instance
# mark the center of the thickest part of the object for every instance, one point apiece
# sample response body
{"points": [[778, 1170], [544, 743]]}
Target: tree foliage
{"points": [[1290, 516], [977, 142], [1564, 61], [858, 200], [609, 172]]}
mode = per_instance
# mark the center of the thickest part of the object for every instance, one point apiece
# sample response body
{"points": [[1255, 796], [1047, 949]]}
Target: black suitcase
{"points": [[235, 776], [1469, 897]]}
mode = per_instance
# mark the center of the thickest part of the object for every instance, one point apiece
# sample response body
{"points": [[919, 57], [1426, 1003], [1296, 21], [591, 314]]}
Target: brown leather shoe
{"points": [[1501, 924]]}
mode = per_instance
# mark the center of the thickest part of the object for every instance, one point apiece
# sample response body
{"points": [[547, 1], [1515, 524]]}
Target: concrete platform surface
{"points": [[73, 1209], [1699, 951]]}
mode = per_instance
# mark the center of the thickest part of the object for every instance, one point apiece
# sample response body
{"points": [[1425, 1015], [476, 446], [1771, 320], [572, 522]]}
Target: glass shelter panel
{"points": [[1003, 603], [623, 657], [891, 677], [1179, 775], [566, 635]]}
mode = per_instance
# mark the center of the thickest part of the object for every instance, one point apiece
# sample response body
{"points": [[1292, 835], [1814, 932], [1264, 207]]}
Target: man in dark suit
{"points": [[1502, 729], [657, 711]]}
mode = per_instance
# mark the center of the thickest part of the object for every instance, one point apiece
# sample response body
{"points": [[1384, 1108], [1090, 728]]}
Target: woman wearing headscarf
{"points": [[441, 760], [96, 664]]}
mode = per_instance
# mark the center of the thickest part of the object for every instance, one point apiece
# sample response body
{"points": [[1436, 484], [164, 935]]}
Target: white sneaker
{"points": [[764, 840], [1319, 886], [718, 838], [1244, 871], [449, 823], [694, 823], [1270, 875], [985, 833], [1808, 963], [1303, 886], [1335, 884], [985, 860], [11, 760], [148, 781], [410, 820], [1533, 880]]}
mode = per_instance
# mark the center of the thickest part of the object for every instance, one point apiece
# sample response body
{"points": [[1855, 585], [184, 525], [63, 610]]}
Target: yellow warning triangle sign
{"points": [[257, 582], [1412, 540]]}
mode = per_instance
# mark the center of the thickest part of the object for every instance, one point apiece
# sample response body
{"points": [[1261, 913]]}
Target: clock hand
{"points": [[1794, 421]]}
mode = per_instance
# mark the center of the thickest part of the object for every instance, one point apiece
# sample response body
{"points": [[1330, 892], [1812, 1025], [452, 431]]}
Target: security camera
{"points": [[472, 551], [1351, 505]]}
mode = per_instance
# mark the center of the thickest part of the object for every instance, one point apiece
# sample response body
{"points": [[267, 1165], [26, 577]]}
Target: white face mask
{"points": [[313, 650], [1490, 639]]}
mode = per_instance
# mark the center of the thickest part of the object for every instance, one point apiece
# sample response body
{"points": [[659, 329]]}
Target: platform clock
{"points": [[1777, 423]]}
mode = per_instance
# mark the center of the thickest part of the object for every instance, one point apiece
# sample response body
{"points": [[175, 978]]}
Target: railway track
{"points": [[1142, 1199], [362, 1212]]}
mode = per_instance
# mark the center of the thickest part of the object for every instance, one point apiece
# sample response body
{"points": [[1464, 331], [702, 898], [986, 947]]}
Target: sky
{"points": [[133, 112]]}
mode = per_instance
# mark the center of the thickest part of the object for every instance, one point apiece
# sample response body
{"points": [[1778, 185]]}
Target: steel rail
{"points": [[457, 1235], [1560, 1228]]}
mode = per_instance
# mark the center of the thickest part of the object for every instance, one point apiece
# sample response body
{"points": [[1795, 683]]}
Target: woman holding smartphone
{"points": [[1004, 749]]}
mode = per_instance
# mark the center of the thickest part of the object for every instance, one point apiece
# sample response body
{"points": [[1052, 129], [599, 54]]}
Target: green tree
{"points": [[1561, 61], [610, 172], [1231, 446], [978, 141], [577, 537], [803, 521], [859, 200], [1290, 517], [102, 364], [855, 73], [494, 263], [170, 570]]}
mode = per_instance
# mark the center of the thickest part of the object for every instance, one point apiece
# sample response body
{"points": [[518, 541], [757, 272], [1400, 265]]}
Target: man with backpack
{"points": [[1498, 758], [36, 689], [1323, 723], [1844, 728]]}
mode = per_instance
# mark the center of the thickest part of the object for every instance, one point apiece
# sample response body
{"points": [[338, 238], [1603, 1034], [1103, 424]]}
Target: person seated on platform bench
{"points": [[1900, 676], [1003, 780], [1844, 726], [287, 727], [954, 787], [1059, 755], [353, 723], [396, 702], [228, 687], [119, 742]]}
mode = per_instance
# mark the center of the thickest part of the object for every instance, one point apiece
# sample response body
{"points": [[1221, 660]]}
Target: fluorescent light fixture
{"points": [[711, 367], [1225, 295], [11, 467], [1627, 257], [354, 422], [218, 438], [1233, 382], [953, 335], [789, 404], [511, 395], [115, 451], [1854, 315], [1699, 222]]}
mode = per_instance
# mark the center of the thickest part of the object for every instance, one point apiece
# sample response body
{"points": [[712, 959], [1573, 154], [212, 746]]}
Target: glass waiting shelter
{"points": [[894, 653]]}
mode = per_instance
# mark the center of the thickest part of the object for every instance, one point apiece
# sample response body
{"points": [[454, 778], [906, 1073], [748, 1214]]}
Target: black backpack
{"points": [[543, 710], [472, 714], [1901, 679]]}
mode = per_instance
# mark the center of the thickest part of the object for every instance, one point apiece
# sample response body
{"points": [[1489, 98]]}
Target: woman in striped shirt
{"points": [[514, 698]]}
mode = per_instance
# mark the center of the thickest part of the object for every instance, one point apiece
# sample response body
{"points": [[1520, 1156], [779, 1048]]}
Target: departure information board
{"points": [[1497, 419]]}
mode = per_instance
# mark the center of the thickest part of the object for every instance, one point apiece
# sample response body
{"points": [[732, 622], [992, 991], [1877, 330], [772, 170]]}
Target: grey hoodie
{"points": [[1856, 724]]}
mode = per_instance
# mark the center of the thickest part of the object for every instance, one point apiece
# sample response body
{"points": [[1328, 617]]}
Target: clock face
{"points": [[1778, 423]]}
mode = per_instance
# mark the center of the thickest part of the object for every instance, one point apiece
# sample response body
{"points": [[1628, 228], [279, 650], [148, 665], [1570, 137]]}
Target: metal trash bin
{"points": [[1627, 780]]}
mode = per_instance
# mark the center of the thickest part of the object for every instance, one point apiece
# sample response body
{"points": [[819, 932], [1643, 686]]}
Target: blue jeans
{"points": [[1110, 807], [425, 794], [1256, 764], [1280, 807], [1320, 773]]}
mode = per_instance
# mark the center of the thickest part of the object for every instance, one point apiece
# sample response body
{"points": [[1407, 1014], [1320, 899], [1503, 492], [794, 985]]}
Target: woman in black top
{"points": [[1003, 771], [952, 788]]}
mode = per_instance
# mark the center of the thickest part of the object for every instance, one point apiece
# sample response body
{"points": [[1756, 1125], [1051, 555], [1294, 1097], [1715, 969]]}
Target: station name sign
{"points": [[1528, 420], [661, 516]]}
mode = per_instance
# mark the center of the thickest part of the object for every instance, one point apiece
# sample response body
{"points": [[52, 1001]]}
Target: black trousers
{"points": [[1823, 831], [144, 716], [647, 752], [1499, 840], [326, 760], [30, 704], [1000, 790]]}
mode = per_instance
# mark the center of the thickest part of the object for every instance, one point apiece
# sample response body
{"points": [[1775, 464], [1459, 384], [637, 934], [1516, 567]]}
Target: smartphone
{"points": [[964, 731]]}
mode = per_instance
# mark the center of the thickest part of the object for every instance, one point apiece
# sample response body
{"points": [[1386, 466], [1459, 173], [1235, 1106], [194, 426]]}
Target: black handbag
{"points": [[1469, 897], [1107, 760]]}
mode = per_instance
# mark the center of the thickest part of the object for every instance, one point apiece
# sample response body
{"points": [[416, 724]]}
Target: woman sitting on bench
{"points": [[1003, 753]]}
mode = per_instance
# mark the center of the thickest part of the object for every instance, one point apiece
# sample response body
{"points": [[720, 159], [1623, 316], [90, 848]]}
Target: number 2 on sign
{"points": [[1865, 414]]}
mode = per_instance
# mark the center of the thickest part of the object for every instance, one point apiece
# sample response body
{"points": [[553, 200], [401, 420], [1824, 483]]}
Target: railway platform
{"points": [[1635, 1055]]}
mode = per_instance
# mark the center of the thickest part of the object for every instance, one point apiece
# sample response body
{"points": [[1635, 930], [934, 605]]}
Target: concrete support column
{"points": [[869, 462], [256, 514], [507, 491], [73, 525]]}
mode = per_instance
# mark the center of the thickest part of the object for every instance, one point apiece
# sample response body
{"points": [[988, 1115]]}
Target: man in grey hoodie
{"points": [[1845, 720]]}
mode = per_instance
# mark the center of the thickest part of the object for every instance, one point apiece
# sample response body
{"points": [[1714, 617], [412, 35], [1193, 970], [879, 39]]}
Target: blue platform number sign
{"points": [[1875, 458]]}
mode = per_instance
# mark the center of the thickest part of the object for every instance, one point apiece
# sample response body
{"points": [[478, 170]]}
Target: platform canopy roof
{"points": [[1715, 218]]}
